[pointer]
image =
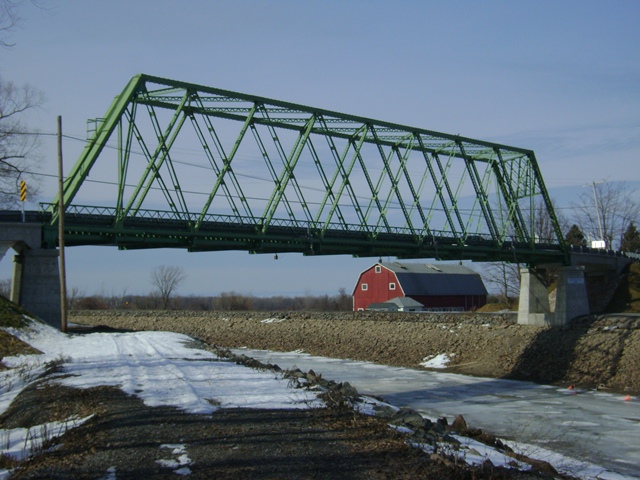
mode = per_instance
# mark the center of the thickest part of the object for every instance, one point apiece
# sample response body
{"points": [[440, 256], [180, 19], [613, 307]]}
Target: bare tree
{"points": [[73, 297], [543, 228], [167, 279], [5, 287], [233, 301], [117, 300], [17, 145], [344, 301], [607, 207], [8, 20], [505, 279]]}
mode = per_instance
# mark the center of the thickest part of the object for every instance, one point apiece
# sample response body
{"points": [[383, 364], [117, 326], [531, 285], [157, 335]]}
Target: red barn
{"points": [[440, 288]]}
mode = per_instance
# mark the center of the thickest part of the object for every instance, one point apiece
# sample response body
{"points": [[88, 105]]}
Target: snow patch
{"points": [[400, 429], [476, 453], [368, 405], [22, 443], [16, 379], [272, 320], [111, 474], [178, 465], [437, 361], [567, 465]]}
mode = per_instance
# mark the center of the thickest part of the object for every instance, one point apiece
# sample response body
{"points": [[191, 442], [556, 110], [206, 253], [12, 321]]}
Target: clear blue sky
{"points": [[559, 77]]}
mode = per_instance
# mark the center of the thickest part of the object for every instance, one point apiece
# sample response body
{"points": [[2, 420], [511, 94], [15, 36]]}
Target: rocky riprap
{"points": [[437, 437]]}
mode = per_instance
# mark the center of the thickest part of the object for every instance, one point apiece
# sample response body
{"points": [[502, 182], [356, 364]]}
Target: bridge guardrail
{"points": [[336, 228]]}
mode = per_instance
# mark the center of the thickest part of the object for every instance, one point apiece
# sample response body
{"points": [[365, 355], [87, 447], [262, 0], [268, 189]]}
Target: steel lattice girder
{"points": [[373, 177]]}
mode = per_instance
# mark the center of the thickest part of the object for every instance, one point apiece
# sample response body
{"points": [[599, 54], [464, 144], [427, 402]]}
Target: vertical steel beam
{"points": [[328, 186], [165, 148], [274, 176], [375, 198], [547, 200], [92, 150]]}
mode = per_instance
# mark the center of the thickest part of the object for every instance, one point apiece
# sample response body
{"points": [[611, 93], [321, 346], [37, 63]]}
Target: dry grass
{"points": [[11, 316], [496, 307], [10, 346]]}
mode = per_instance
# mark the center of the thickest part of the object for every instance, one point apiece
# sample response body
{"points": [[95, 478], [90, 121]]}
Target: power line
{"points": [[394, 204]]}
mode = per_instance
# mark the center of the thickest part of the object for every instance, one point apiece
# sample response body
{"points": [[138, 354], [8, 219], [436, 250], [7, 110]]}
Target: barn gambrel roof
{"points": [[441, 279]]}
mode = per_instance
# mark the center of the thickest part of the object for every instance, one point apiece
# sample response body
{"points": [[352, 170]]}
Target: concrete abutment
{"points": [[35, 285]]}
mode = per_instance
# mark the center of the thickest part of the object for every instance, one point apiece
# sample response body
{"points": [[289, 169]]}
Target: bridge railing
{"points": [[16, 216], [603, 251], [191, 218]]}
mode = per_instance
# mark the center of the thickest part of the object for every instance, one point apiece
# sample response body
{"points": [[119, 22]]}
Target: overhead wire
{"points": [[394, 204]]}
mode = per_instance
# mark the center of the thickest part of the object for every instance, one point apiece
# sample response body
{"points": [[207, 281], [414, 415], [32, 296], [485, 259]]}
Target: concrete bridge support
{"points": [[571, 298], [534, 306], [36, 275], [36, 284]]}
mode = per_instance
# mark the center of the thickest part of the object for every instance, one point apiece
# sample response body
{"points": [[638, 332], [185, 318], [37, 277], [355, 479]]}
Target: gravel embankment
{"points": [[603, 350]]}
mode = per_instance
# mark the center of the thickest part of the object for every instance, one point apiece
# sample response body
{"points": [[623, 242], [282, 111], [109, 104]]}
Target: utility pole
{"points": [[595, 198], [63, 270]]}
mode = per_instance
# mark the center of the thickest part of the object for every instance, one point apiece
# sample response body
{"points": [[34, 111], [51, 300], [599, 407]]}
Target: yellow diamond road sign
{"points": [[23, 190]]}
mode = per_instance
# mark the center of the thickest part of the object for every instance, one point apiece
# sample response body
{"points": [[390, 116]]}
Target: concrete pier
{"points": [[36, 276], [534, 306], [36, 284], [571, 298]]}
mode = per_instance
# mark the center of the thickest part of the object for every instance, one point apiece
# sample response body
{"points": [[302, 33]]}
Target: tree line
{"points": [[225, 301], [165, 281]]}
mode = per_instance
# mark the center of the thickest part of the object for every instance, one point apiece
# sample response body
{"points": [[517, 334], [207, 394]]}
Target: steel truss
{"points": [[203, 168]]}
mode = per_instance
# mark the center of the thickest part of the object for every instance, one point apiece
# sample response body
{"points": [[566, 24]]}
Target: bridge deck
{"points": [[284, 236]]}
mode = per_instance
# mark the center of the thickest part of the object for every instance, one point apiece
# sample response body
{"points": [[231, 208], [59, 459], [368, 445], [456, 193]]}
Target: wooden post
{"points": [[63, 271]]}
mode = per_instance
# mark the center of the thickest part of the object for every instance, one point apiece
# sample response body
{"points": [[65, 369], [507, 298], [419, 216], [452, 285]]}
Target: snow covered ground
{"points": [[158, 367], [162, 369]]}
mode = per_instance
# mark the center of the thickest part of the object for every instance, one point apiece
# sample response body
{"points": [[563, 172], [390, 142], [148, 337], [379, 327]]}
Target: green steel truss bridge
{"points": [[179, 165]]}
